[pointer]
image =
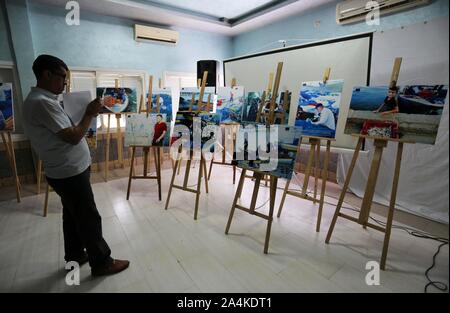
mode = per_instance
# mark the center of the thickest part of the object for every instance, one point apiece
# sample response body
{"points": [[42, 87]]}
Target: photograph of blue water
{"points": [[165, 102], [186, 98], [6, 107]]}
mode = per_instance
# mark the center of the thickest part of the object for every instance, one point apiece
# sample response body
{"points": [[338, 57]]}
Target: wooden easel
{"points": [[314, 155], [146, 149], [229, 129], [252, 209], [157, 157], [270, 116], [10, 154], [363, 219], [201, 84], [258, 175], [119, 139], [202, 168], [185, 187], [201, 106]]}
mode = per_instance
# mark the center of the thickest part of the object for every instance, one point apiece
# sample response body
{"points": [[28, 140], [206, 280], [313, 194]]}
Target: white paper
{"points": [[75, 104]]}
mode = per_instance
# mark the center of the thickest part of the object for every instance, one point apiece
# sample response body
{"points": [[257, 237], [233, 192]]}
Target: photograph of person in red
{"points": [[159, 132]]}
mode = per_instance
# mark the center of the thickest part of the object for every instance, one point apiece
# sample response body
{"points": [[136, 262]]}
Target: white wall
{"points": [[424, 178]]}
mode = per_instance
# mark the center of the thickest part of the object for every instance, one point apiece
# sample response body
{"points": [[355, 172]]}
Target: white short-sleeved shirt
{"points": [[43, 118], [327, 119]]}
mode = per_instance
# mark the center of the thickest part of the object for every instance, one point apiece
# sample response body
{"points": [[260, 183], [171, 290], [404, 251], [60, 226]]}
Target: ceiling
{"points": [[228, 9], [228, 17]]}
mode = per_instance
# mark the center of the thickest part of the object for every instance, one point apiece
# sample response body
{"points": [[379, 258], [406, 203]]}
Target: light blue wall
{"points": [[5, 49], [108, 42], [22, 42], [300, 29]]}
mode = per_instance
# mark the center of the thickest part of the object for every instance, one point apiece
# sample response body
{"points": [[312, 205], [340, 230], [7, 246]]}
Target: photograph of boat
{"points": [[415, 111], [422, 99]]}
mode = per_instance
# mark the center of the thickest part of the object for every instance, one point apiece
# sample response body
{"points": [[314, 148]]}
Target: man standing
{"points": [[65, 155]]}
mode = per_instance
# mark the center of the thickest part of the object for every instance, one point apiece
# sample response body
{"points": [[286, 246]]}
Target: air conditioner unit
{"points": [[147, 33], [351, 11]]}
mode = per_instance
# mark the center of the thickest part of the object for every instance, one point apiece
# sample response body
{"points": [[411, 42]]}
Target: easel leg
{"points": [[324, 185], [133, 154], [13, 165], [158, 169], [273, 193], [47, 192], [308, 169], [39, 176], [210, 168], [108, 142], [203, 163], [186, 173], [390, 218], [236, 197], [161, 156], [286, 189], [344, 189], [258, 178], [119, 142], [199, 183], [316, 171], [371, 182], [171, 183], [234, 174], [179, 167], [7, 149], [134, 166], [146, 151]]}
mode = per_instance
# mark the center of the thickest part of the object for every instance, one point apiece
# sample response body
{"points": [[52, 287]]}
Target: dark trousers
{"points": [[82, 224]]}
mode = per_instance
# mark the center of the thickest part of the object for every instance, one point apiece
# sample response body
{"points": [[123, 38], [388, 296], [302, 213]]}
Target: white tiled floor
{"points": [[170, 252]]}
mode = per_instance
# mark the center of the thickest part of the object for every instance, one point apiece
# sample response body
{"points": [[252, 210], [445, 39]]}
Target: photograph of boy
{"points": [[159, 131]]}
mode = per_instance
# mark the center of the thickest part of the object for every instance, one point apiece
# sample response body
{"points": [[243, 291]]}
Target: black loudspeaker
{"points": [[212, 67]]}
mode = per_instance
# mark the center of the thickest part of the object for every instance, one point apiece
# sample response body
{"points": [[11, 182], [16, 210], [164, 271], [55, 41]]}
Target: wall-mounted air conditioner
{"points": [[351, 11], [153, 34]]}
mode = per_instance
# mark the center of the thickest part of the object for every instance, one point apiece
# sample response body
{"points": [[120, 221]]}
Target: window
{"points": [[176, 81]]}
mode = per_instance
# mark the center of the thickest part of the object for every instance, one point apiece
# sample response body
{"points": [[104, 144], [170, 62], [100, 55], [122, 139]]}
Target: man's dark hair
{"points": [[393, 88], [46, 62], [159, 115], [319, 105]]}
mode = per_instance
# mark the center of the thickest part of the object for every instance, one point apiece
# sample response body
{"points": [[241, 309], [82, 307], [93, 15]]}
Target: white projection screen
{"points": [[349, 59]]}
